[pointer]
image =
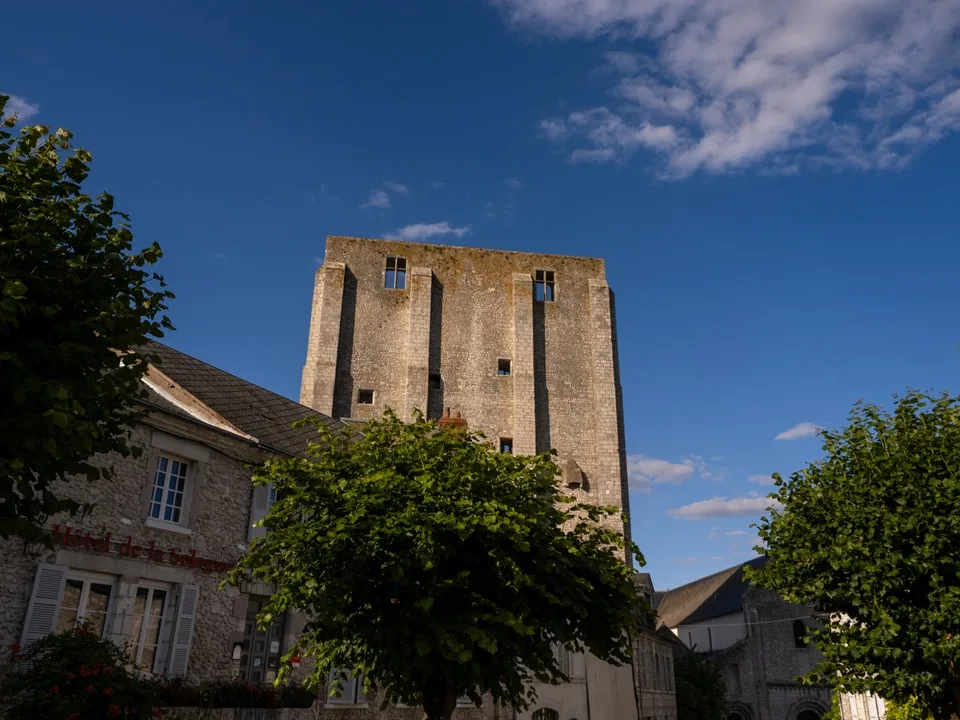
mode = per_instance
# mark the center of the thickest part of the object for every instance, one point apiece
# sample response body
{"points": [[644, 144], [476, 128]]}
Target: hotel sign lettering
{"points": [[66, 536]]}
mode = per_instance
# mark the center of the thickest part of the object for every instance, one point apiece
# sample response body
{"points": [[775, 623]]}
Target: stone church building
{"points": [[756, 640]]}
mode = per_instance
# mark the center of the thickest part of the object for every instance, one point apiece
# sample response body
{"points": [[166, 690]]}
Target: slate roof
{"points": [[710, 597], [251, 408]]}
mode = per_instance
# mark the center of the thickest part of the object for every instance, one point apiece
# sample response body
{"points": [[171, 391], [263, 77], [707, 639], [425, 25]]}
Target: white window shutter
{"points": [[258, 510], [167, 622], [44, 604], [183, 630], [351, 692]]}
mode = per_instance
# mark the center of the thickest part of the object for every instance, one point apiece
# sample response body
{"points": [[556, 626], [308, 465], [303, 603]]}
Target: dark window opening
{"points": [[546, 714], [543, 286], [436, 381], [364, 397], [799, 634], [809, 715], [503, 366], [506, 445], [396, 276]]}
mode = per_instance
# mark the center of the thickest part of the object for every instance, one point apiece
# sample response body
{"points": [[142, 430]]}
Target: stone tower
{"points": [[521, 346]]}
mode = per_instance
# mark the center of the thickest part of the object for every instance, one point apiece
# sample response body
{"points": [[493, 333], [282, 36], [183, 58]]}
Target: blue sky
{"points": [[772, 183]]}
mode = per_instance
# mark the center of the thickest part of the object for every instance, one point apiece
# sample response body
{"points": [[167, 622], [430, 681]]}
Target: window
{"points": [[506, 445], [546, 714], [351, 689], [436, 381], [543, 286], [169, 484], [364, 397], [271, 496], [144, 637], [396, 275], [503, 366], [799, 634], [562, 656], [86, 599], [262, 649]]}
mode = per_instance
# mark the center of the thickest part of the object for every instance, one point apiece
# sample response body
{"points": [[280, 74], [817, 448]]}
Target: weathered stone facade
{"points": [[522, 346], [756, 639]]}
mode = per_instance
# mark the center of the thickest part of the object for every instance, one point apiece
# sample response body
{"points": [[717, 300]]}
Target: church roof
{"points": [[183, 385], [709, 597]]}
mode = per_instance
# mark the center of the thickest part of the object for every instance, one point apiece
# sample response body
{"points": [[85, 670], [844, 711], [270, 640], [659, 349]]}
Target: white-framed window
{"points": [[87, 599], [351, 689], [169, 487], [147, 622], [562, 656]]}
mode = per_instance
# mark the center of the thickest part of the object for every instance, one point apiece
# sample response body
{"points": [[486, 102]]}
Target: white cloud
{"points": [[724, 507], [760, 480], [799, 431], [735, 533], [685, 561], [644, 471], [378, 199], [513, 183], [425, 231], [396, 187], [19, 106], [437, 184], [728, 84]]}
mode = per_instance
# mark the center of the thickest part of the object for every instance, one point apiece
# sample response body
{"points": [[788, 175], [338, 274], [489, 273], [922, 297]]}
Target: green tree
{"points": [[73, 295], [701, 693], [436, 567], [870, 536]]}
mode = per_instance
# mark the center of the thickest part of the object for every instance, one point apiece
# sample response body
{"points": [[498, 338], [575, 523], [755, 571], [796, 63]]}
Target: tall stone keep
{"points": [[521, 346]]}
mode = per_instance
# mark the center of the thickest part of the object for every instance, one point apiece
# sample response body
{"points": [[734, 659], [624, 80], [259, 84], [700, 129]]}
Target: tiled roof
{"points": [[250, 408], [710, 597]]}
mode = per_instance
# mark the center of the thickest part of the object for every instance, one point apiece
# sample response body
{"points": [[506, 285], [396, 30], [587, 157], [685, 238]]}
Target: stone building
{"points": [[145, 565], [757, 641], [653, 652], [523, 347]]}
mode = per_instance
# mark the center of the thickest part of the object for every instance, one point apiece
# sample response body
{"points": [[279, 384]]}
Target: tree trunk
{"points": [[440, 704]]}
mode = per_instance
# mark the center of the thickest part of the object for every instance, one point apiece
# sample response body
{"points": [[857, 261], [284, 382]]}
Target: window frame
{"points": [[373, 396], [358, 699], [88, 579], [504, 367], [151, 587], [506, 445], [185, 493], [545, 286], [395, 273]]}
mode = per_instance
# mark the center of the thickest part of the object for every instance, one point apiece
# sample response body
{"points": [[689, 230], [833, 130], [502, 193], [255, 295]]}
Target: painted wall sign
{"points": [[67, 537]]}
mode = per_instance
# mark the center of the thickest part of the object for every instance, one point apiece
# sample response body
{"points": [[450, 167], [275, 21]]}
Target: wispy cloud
{"points": [[735, 533], [775, 84], [645, 471], [437, 184], [760, 480], [513, 183], [685, 561], [723, 507], [218, 255], [395, 187], [378, 199], [425, 231], [19, 106], [799, 431]]}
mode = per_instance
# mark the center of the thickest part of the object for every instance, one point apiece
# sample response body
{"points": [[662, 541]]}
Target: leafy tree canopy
{"points": [[870, 535], [701, 693], [436, 567], [72, 294]]}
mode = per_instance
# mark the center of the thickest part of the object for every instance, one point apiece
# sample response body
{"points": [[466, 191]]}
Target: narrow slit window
{"points": [[396, 275], [506, 445], [503, 366], [543, 286], [364, 397], [436, 381]]}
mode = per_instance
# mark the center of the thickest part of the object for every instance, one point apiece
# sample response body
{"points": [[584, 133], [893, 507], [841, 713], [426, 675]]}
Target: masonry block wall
{"points": [[436, 342], [761, 670]]}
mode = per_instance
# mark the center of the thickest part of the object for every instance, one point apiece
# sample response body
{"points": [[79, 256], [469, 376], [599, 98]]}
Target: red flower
{"points": [[157, 713], [73, 716], [107, 691], [91, 689], [15, 648], [55, 689], [71, 676], [113, 710]]}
